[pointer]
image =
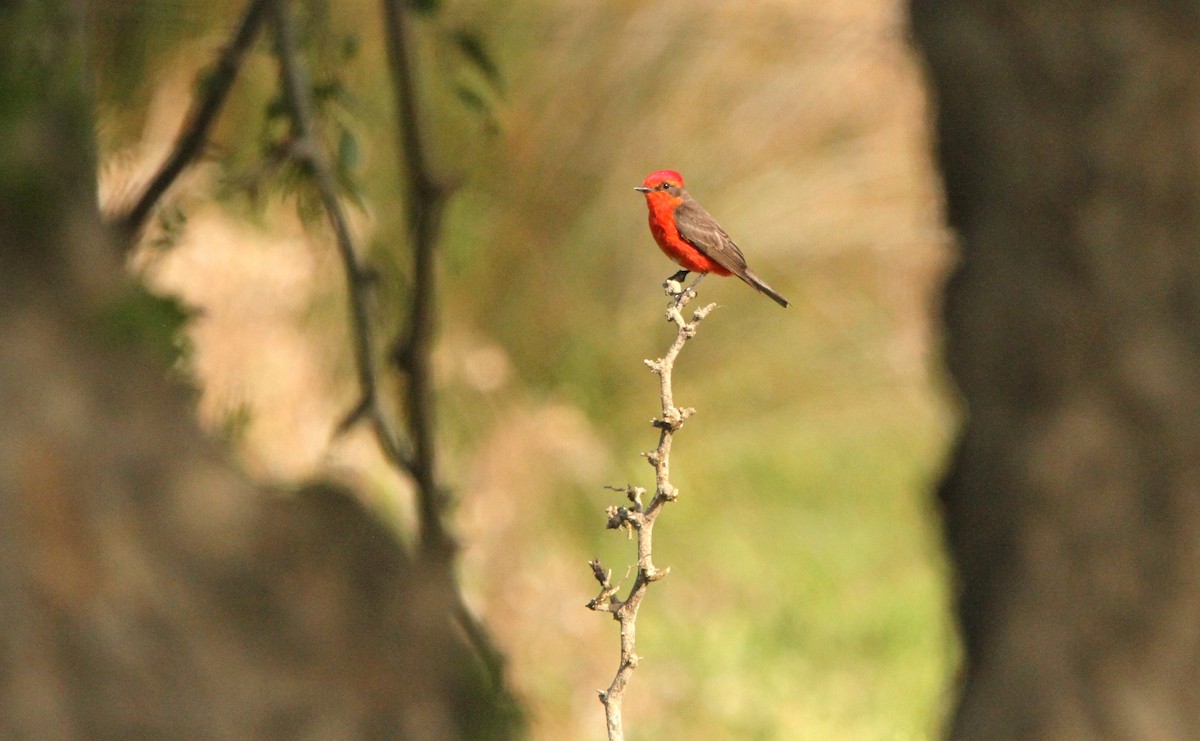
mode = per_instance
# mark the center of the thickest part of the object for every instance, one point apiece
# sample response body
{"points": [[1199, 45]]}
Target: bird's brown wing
{"points": [[699, 229]]}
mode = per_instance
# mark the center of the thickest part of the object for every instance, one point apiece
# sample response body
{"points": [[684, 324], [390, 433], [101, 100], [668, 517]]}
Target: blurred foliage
{"points": [[808, 597], [153, 323]]}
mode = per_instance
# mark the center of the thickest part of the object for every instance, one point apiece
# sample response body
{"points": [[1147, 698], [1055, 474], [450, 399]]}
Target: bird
{"points": [[691, 237]]}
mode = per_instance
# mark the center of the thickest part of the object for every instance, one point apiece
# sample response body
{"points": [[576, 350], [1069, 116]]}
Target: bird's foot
{"points": [[674, 287]]}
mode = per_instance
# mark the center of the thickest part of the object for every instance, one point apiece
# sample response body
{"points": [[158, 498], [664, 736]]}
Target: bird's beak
{"points": [[642, 189]]}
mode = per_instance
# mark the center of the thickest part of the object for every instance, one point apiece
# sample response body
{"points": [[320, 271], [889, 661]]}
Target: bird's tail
{"points": [[759, 285]]}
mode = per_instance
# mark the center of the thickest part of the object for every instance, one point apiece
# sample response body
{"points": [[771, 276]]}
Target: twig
{"points": [[306, 149], [640, 518], [200, 121], [426, 204], [413, 350]]}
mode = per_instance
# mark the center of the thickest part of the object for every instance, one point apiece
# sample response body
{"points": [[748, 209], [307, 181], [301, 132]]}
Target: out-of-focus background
{"points": [[808, 596]]}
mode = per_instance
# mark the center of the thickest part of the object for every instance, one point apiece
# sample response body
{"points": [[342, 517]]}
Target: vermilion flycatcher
{"points": [[690, 236]]}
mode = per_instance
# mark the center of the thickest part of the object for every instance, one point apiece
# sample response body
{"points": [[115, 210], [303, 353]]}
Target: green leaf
{"points": [[472, 99], [426, 7], [343, 171], [172, 222], [471, 47], [328, 90], [347, 152], [480, 105], [276, 108], [350, 45]]}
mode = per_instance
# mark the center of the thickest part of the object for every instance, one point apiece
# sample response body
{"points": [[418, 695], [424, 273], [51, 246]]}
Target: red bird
{"points": [[690, 236]]}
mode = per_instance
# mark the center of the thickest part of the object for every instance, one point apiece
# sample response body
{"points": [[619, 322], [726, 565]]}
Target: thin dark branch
{"points": [[200, 121], [426, 204], [640, 518], [307, 150]]}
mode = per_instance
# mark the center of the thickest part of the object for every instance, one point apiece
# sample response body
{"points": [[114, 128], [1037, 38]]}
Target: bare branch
{"points": [[200, 121], [307, 150], [412, 352], [639, 519], [426, 205]]}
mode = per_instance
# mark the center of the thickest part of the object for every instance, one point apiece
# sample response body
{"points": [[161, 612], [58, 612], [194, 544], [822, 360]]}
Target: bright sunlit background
{"points": [[808, 595]]}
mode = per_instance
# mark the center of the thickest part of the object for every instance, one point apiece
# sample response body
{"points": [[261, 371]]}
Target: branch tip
{"points": [[599, 572], [635, 495]]}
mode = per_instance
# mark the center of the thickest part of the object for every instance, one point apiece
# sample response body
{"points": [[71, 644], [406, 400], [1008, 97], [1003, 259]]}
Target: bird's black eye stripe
{"points": [[664, 186]]}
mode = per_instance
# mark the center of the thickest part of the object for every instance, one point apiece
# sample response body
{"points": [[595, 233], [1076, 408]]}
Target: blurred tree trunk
{"points": [[1069, 140], [146, 589]]}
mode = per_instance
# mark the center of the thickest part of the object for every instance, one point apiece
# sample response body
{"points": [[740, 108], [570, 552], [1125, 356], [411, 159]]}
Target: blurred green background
{"points": [[808, 597]]}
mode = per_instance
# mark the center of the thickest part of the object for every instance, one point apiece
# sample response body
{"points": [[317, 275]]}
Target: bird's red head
{"points": [[661, 177], [662, 188]]}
